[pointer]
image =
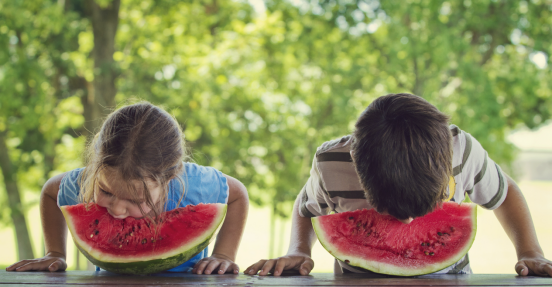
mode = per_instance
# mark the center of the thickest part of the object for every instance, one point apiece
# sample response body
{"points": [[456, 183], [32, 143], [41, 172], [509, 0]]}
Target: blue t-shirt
{"points": [[203, 185]]}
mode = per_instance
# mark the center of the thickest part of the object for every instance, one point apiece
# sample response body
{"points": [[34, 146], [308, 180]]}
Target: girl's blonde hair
{"points": [[140, 142]]}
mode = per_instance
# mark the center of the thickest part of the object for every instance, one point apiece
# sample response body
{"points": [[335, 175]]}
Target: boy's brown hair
{"points": [[402, 152], [139, 142]]}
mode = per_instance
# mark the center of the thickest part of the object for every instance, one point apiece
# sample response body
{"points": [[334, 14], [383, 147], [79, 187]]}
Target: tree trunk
{"points": [[23, 241], [100, 99]]}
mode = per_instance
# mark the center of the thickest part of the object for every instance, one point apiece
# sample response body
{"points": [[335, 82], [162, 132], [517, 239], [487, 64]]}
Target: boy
{"points": [[403, 159]]}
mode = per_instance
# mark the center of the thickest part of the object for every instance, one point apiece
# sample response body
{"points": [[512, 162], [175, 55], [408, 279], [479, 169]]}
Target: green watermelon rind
{"points": [[384, 268], [148, 264]]}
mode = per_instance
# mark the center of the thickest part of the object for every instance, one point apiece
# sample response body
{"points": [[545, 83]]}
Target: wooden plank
{"points": [[103, 278]]}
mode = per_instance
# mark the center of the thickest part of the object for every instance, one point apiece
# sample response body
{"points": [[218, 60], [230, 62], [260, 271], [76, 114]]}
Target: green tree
{"points": [[257, 93], [33, 83]]}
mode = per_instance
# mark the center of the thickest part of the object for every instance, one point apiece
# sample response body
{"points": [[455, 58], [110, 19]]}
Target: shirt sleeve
{"points": [[482, 179], [313, 198], [69, 188]]}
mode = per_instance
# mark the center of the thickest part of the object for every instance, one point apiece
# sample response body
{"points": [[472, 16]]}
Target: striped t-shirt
{"points": [[333, 185]]}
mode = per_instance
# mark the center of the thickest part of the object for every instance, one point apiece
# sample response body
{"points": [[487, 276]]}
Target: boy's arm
{"points": [[229, 236], [515, 218], [55, 232], [299, 251]]}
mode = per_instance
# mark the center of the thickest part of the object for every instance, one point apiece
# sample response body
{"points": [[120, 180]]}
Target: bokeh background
{"points": [[258, 85]]}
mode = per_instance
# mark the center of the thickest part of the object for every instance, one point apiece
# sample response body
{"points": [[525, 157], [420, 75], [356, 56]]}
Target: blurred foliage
{"points": [[257, 91]]}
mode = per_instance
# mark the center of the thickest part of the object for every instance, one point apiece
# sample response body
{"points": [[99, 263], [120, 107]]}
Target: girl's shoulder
{"points": [[202, 184], [193, 169]]}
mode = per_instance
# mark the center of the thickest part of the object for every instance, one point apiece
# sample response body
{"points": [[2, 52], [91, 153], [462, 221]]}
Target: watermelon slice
{"points": [[136, 246], [382, 244]]}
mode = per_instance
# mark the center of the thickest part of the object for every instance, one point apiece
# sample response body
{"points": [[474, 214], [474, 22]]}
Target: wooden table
{"points": [[103, 278]]}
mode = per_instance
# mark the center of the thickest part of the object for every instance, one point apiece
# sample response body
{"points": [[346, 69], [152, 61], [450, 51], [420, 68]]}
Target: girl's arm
{"points": [[516, 220], [229, 237], [55, 232]]}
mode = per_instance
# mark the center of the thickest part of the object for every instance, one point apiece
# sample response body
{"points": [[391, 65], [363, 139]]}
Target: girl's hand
{"points": [[216, 262], [52, 262]]}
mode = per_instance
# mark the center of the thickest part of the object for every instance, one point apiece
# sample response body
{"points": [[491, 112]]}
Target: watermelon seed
{"points": [[96, 232], [131, 234], [91, 235], [351, 218], [96, 222], [439, 233], [347, 261], [358, 224], [120, 246], [144, 241], [442, 244], [426, 253], [431, 253]]}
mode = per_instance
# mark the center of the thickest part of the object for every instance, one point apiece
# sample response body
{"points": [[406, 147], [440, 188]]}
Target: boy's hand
{"points": [[216, 262], [301, 263], [51, 262], [534, 265]]}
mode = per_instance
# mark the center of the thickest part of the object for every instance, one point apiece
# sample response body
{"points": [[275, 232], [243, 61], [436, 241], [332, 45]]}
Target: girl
{"points": [[135, 168]]}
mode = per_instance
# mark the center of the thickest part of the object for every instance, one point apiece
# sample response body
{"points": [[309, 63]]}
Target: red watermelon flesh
{"points": [[382, 244], [145, 247]]}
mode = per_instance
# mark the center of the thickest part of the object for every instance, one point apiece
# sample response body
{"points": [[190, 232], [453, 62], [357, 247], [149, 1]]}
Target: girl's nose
{"points": [[117, 209]]}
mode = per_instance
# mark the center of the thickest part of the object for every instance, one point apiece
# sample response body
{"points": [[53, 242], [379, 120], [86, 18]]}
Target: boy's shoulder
{"points": [[342, 144]]}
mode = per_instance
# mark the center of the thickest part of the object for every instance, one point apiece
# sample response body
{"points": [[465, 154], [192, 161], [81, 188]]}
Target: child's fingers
{"points": [[213, 264], [281, 264], [223, 267], [32, 266], [15, 265], [548, 269], [55, 266], [253, 269], [306, 266], [234, 268], [267, 267], [200, 266], [542, 268], [522, 269]]}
